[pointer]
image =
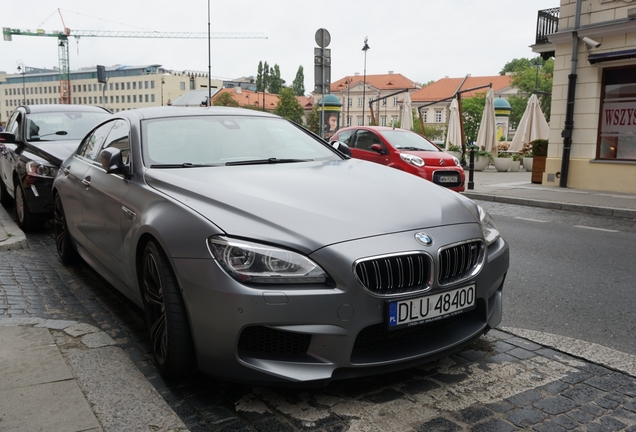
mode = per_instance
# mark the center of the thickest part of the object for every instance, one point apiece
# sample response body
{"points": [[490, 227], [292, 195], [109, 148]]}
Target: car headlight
{"points": [[411, 159], [488, 226], [255, 263], [457, 163], [37, 169]]}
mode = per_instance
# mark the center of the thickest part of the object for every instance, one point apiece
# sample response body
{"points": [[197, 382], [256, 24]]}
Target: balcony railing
{"points": [[547, 24]]}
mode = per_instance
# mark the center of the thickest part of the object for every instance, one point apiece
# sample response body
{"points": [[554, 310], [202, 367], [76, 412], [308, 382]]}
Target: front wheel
{"points": [[63, 240], [170, 334], [26, 221]]}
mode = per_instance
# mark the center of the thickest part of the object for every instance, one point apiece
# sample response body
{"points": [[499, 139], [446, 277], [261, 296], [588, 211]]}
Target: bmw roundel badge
{"points": [[425, 239]]}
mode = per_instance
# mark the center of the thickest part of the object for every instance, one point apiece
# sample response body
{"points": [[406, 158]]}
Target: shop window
{"points": [[617, 132]]}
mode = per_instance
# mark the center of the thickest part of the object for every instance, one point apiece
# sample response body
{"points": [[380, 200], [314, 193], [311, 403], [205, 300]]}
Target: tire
{"points": [[5, 199], [170, 336], [63, 240], [26, 221]]}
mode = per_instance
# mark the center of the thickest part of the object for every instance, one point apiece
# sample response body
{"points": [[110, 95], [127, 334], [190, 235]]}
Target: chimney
{"points": [[390, 72]]}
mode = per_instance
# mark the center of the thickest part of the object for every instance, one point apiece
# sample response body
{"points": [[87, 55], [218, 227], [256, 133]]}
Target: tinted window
{"points": [[93, 143], [62, 126], [365, 139], [119, 137]]}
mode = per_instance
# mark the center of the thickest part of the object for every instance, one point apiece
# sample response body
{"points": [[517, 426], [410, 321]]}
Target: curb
{"points": [[15, 236], [582, 208]]}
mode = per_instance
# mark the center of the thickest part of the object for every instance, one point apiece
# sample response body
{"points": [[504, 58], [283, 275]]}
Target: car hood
{"points": [[309, 205], [433, 158], [52, 151]]}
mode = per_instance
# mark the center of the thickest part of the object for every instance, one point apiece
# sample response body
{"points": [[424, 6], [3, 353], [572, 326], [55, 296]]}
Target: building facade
{"points": [[385, 92], [126, 87], [592, 141]]}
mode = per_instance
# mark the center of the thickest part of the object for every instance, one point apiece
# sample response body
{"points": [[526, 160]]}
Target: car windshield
{"points": [[405, 140], [61, 126], [183, 142]]}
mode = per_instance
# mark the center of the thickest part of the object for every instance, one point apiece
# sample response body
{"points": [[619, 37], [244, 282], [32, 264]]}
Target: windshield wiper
{"points": [[266, 161], [182, 165]]}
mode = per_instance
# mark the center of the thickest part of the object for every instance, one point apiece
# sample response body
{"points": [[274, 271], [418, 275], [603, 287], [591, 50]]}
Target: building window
{"points": [[349, 102], [128, 85], [393, 120], [383, 121], [617, 132], [424, 116], [360, 121], [369, 120], [152, 84], [395, 101], [182, 86], [438, 116], [128, 98], [384, 102], [360, 100], [152, 97], [74, 88], [349, 120], [134, 85], [145, 84], [134, 98]]}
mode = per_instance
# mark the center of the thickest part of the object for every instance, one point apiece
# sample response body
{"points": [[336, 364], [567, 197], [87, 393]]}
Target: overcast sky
{"points": [[422, 39]]}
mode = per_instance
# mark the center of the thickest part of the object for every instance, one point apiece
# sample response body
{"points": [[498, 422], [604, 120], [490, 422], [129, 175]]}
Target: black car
{"points": [[35, 142]]}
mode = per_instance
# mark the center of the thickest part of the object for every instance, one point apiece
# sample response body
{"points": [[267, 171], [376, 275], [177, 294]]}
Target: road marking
{"points": [[594, 228], [531, 220]]}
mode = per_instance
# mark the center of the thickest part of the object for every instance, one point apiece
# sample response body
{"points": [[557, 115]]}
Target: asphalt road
{"points": [[571, 274]]}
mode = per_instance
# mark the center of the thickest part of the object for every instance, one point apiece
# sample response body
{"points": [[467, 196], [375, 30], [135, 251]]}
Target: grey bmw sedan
{"points": [[260, 253]]}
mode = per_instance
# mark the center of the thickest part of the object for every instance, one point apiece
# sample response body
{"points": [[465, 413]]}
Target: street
{"points": [[501, 382]]}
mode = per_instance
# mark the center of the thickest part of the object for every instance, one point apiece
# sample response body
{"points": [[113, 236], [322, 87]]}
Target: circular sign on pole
{"points": [[323, 38]]}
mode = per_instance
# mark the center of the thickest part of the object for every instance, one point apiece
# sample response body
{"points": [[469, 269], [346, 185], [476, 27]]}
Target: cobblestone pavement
{"points": [[500, 383]]}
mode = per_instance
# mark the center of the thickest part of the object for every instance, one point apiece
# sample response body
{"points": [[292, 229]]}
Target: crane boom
{"points": [[65, 73]]}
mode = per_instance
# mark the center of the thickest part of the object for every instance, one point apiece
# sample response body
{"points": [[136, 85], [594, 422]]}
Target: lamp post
{"points": [[365, 48], [162, 83], [22, 71]]}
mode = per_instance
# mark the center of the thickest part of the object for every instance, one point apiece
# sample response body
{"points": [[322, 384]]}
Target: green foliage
{"points": [[275, 81], [504, 155], [472, 111], [454, 148], [225, 99], [299, 82], [540, 147], [531, 75], [515, 65], [313, 120], [288, 106]]}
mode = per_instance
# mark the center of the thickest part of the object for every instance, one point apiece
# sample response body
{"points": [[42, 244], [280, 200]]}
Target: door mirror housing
{"points": [[379, 148], [112, 161], [341, 147], [7, 138]]}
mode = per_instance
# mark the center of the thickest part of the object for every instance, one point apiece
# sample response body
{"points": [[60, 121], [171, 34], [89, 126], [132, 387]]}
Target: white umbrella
{"points": [[454, 134], [407, 113], [533, 126], [487, 135]]}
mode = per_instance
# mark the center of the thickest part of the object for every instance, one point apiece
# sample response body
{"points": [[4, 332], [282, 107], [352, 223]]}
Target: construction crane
{"points": [[63, 36]]}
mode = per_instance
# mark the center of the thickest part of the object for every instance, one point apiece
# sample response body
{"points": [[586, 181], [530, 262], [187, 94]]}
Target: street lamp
{"points": [[365, 48], [22, 70], [162, 83]]}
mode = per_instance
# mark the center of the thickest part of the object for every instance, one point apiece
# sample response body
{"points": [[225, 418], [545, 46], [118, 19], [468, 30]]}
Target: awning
{"points": [[611, 56]]}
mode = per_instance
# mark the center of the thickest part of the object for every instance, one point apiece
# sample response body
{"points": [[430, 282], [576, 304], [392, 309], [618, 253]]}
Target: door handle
{"points": [[87, 182]]}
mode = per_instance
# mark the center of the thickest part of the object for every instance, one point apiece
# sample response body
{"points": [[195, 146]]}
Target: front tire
{"points": [[63, 240], [170, 334], [26, 221]]}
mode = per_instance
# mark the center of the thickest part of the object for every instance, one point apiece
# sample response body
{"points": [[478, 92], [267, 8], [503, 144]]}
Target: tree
{"points": [[299, 82], [225, 99], [313, 120], [472, 111], [288, 106], [276, 83], [515, 65], [262, 77]]}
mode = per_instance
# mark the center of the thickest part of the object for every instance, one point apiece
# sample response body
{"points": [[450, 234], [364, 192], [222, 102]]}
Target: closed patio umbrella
{"points": [[454, 133], [487, 135], [533, 126], [407, 113]]}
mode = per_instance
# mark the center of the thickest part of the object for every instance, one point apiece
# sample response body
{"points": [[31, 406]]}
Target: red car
{"points": [[404, 150]]}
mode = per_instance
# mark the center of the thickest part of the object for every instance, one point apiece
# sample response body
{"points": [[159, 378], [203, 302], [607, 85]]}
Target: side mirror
{"points": [[341, 147], [111, 161], [378, 148], [7, 138]]}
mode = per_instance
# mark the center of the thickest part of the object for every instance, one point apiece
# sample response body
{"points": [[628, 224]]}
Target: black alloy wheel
{"points": [[63, 240], [26, 221], [170, 335]]}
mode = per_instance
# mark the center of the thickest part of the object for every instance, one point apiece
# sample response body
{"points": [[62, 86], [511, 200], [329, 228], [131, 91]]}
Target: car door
{"points": [[105, 221], [7, 151], [362, 143]]}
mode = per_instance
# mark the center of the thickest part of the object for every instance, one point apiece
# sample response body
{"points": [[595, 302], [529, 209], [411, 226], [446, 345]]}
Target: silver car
{"points": [[260, 253]]}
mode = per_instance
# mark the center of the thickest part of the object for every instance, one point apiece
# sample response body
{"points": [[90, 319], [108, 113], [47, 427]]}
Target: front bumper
{"points": [[38, 193], [320, 333]]}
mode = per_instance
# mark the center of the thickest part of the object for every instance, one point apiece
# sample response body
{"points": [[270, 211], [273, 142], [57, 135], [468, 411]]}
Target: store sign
{"points": [[618, 118]]}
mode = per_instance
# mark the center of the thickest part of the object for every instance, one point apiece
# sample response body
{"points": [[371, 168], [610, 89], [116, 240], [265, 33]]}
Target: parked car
{"points": [[260, 253], [37, 139], [404, 150]]}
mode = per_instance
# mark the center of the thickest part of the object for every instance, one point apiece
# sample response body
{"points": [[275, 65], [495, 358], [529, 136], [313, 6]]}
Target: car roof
{"points": [[375, 128], [61, 108], [169, 111]]}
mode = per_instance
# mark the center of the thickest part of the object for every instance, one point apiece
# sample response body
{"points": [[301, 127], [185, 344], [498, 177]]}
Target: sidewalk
{"points": [[65, 375]]}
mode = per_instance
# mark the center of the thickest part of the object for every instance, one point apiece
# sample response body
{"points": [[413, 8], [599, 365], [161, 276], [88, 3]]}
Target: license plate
{"points": [[447, 179], [420, 310]]}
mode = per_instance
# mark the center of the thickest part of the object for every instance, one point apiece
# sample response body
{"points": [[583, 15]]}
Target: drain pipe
{"points": [[566, 134]]}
